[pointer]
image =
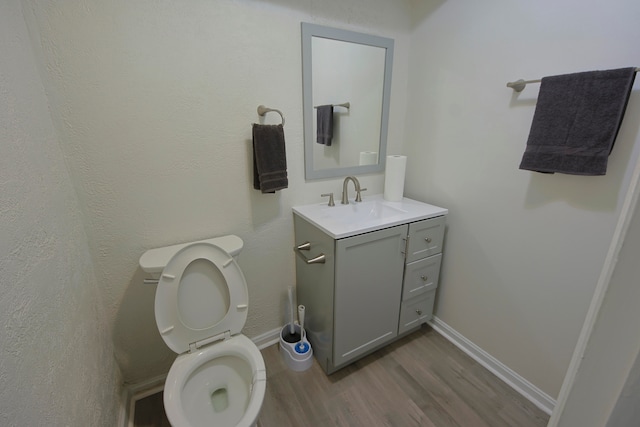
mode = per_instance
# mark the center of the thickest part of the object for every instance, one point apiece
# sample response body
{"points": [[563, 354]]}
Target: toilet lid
{"points": [[201, 294]]}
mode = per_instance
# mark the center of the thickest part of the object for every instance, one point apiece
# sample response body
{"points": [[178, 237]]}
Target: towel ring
{"points": [[262, 110]]}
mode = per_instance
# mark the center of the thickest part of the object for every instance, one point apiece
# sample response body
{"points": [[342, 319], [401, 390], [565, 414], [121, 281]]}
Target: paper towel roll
{"points": [[368, 158], [394, 178]]}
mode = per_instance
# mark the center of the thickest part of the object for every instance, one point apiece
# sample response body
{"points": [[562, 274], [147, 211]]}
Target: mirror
{"points": [[352, 73]]}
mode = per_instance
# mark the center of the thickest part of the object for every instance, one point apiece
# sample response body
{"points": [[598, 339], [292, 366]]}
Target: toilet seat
{"points": [[201, 298]]}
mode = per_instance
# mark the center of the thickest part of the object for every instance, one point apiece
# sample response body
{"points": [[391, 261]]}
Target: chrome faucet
{"points": [[356, 184]]}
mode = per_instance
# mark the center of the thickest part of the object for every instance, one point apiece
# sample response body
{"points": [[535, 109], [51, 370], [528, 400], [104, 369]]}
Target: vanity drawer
{"points": [[421, 276], [425, 238], [416, 311]]}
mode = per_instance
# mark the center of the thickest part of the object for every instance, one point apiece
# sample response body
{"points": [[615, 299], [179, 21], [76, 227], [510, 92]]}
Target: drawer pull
{"points": [[428, 239], [424, 278], [419, 312]]}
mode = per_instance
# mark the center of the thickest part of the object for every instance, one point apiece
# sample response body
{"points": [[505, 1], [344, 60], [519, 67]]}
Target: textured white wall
{"points": [[155, 101], [523, 250], [56, 352]]}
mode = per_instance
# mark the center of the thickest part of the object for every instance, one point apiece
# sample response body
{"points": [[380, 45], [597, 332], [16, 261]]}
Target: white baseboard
{"points": [[125, 407], [267, 339], [134, 392], [532, 393]]}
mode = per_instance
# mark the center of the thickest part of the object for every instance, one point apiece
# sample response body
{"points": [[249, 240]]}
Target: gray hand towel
{"points": [[269, 158], [324, 124], [576, 121]]}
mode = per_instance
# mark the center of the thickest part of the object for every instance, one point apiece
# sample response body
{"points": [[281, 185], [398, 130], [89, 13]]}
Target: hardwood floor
{"points": [[420, 380]]}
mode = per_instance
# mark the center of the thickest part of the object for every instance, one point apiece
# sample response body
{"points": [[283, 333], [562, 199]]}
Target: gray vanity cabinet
{"points": [[368, 288]]}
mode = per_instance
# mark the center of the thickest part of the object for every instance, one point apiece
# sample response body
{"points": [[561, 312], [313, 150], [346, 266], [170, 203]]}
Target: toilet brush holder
{"points": [[298, 355]]}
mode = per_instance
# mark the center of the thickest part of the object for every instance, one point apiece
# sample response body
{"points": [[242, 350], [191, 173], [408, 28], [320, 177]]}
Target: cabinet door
{"points": [[425, 238], [368, 291]]}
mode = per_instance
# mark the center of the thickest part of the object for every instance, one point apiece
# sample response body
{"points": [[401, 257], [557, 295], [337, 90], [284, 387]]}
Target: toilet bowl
{"points": [[201, 305]]}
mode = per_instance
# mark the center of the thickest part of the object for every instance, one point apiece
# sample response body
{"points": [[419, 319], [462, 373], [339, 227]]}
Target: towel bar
{"points": [[519, 85], [262, 110], [346, 105]]}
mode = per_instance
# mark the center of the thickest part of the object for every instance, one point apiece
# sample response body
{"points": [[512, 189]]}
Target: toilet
{"points": [[201, 304]]}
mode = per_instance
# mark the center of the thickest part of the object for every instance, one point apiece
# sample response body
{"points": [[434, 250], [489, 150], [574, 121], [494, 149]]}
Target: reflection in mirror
{"points": [[346, 88]]}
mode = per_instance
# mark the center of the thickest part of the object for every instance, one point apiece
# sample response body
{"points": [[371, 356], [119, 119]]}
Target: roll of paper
{"points": [[394, 178], [368, 158]]}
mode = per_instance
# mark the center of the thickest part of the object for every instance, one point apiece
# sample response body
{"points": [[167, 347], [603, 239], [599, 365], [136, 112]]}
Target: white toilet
{"points": [[219, 377]]}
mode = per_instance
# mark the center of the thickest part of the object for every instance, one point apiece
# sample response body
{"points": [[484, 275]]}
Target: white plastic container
{"points": [[297, 355]]}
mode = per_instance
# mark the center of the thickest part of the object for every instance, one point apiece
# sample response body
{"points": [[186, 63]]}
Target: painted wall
{"points": [[523, 250], [154, 101], [606, 390], [627, 407], [56, 353]]}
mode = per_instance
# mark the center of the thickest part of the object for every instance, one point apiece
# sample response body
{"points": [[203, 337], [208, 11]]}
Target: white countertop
{"points": [[373, 213]]}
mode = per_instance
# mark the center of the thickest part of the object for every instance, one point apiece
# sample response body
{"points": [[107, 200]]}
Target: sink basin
{"points": [[373, 213], [357, 213]]}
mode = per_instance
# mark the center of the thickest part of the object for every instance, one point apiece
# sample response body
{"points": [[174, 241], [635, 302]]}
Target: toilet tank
{"points": [[154, 261]]}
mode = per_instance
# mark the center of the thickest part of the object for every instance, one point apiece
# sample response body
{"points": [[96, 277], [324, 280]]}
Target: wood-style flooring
{"points": [[420, 380]]}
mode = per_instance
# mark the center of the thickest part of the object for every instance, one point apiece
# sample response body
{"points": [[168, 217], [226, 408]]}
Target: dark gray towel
{"points": [[269, 158], [324, 124], [576, 121]]}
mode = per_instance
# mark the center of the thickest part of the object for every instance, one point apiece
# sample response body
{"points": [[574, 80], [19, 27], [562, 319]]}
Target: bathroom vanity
{"points": [[366, 272]]}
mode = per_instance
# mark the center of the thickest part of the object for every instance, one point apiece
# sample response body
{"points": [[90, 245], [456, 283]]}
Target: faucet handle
{"points": [[330, 196], [358, 196]]}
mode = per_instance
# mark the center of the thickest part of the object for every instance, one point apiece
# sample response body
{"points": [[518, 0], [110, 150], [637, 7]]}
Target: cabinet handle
{"points": [[419, 312], [406, 246], [306, 246], [428, 239], [424, 278]]}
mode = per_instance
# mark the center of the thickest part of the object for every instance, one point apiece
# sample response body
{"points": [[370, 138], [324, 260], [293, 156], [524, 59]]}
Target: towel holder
{"points": [[346, 105], [262, 110], [519, 85]]}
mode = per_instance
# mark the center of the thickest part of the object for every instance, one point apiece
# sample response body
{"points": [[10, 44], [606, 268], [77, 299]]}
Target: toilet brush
{"points": [[292, 329], [302, 346], [294, 348], [290, 336]]}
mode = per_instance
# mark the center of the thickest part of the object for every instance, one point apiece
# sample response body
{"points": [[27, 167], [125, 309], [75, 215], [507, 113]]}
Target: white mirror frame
{"points": [[313, 30]]}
